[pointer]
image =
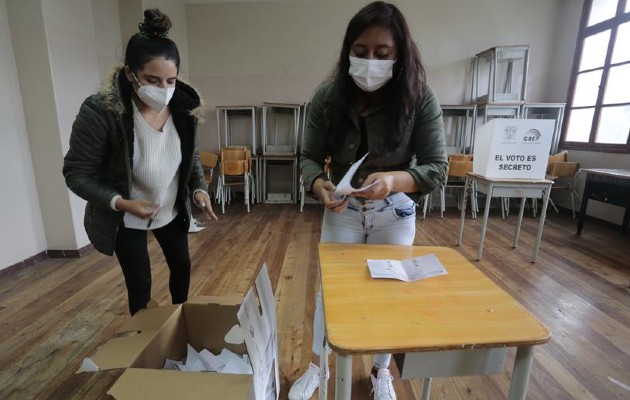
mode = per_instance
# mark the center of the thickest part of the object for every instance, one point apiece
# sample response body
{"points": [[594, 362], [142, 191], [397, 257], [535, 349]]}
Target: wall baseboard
{"points": [[70, 253], [47, 254], [24, 263]]}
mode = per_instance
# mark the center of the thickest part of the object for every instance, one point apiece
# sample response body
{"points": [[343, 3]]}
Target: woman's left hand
{"points": [[382, 185], [203, 201]]}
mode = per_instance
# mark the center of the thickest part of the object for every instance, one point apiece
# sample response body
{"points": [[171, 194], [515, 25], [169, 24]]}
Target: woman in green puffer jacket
{"points": [[133, 157]]}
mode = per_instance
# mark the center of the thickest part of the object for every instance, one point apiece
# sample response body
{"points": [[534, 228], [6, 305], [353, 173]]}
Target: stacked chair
{"points": [[458, 166], [235, 170]]}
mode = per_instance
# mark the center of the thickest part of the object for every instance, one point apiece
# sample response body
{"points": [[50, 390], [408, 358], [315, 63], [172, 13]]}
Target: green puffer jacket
{"points": [[98, 164]]}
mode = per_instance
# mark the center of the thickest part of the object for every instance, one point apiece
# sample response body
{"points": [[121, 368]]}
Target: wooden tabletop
{"points": [[463, 309]]}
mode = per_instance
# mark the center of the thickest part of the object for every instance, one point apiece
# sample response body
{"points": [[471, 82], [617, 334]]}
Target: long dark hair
{"points": [[151, 41], [400, 94]]}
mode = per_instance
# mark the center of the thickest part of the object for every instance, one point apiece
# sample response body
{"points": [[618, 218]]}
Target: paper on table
{"points": [[344, 188], [411, 269]]}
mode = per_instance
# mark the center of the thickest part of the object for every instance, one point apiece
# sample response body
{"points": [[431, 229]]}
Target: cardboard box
{"points": [[513, 148], [155, 334]]}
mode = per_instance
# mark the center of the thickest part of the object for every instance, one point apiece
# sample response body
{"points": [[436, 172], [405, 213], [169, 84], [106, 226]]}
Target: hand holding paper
{"points": [[344, 188]]}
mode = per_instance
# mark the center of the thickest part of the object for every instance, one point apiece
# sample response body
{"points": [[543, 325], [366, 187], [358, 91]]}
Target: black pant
{"points": [[133, 256]]}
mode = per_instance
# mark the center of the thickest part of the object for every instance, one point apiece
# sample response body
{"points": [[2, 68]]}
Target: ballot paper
{"points": [[226, 362], [344, 188], [408, 270]]}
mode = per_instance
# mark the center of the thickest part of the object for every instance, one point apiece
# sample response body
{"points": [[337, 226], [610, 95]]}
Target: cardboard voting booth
{"points": [[513, 148], [244, 326]]}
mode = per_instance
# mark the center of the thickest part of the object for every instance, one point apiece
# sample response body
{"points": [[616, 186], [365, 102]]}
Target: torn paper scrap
{"points": [[227, 362]]}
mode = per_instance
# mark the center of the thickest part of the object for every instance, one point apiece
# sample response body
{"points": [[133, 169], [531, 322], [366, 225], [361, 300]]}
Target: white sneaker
{"points": [[304, 387], [382, 385], [195, 226]]}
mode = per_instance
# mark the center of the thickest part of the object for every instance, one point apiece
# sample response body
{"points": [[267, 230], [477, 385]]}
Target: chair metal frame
{"points": [[208, 162], [235, 170], [458, 166]]}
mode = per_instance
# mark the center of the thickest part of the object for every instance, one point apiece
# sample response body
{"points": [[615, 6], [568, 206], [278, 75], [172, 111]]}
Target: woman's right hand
{"points": [[140, 208], [324, 190]]}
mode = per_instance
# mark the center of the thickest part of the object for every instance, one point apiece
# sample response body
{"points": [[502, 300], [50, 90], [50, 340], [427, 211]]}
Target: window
{"points": [[598, 103]]}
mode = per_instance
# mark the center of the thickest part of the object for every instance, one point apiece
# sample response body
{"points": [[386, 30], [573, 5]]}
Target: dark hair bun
{"points": [[156, 24]]}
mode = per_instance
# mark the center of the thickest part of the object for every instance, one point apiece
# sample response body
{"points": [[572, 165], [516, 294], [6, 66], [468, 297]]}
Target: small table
{"points": [[611, 186], [463, 310], [499, 187]]}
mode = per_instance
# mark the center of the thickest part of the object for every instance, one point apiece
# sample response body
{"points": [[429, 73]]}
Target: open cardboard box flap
{"points": [[154, 384], [133, 337]]}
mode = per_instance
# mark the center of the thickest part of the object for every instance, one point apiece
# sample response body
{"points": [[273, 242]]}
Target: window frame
{"points": [[612, 24]]}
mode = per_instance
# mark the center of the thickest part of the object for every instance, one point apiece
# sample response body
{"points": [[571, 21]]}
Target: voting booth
{"points": [[513, 148]]}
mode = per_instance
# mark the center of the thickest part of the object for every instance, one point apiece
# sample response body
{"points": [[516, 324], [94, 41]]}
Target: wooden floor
{"points": [[56, 312]]}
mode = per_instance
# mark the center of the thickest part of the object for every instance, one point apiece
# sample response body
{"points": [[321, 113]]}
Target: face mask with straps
{"points": [[370, 75], [155, 97]]}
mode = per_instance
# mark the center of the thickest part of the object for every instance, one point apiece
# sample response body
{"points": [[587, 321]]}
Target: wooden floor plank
{"points": [[56, 312]]}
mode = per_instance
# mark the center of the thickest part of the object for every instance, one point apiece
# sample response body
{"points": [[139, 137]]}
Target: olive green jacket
{"points": [[99, 161], [422, 152]]}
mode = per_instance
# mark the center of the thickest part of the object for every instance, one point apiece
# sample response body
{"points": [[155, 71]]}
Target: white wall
{"points": [[22, 230]]}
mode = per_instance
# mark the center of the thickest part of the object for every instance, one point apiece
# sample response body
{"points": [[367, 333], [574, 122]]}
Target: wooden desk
{"points": [[494, 187], [611, 186], [458, 311]]}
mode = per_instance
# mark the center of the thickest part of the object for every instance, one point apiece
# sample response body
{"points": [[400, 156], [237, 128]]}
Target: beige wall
{"points": [[251, 52]]}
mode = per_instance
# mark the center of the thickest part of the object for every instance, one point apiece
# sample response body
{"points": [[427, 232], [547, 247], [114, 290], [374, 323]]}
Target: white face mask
{"points": [[370, 75], [155, 97]]}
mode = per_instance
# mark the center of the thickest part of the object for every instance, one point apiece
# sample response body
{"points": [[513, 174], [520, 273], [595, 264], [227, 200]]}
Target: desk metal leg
{"points": [[519, 223], [343, 383], [587, 189], [484, 225], [323, 370], [426, 388], [541, 223], [520, 374], [463, 214]]}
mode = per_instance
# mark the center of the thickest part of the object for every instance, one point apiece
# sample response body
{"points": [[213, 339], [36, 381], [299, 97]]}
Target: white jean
{"points": [[388, 221]]}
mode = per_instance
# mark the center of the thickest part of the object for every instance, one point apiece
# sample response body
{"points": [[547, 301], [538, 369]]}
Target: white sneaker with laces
{"points": [[304, 387], [195, 226], [382, 385]]}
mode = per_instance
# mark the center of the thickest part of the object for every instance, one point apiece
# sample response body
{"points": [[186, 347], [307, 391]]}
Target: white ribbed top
{"points": [[155, 173]]}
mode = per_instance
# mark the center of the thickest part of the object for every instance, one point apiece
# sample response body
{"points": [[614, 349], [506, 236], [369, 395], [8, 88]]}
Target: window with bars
{"points": [[598, 103]]}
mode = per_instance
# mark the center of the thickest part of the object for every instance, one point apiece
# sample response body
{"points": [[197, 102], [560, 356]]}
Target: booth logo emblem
{"points": [[509, 132], [532, 135]]}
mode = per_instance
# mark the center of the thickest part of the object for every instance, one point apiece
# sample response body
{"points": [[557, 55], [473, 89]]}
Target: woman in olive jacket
{"points": [[133, 157], [376, 107]]}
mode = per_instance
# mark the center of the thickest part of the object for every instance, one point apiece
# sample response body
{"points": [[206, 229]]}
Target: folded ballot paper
{"points": [[226, 362], [411, 269], [344, 188]]}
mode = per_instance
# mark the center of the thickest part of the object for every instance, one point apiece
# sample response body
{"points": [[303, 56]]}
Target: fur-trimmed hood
{"points": [[185, 99]]}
